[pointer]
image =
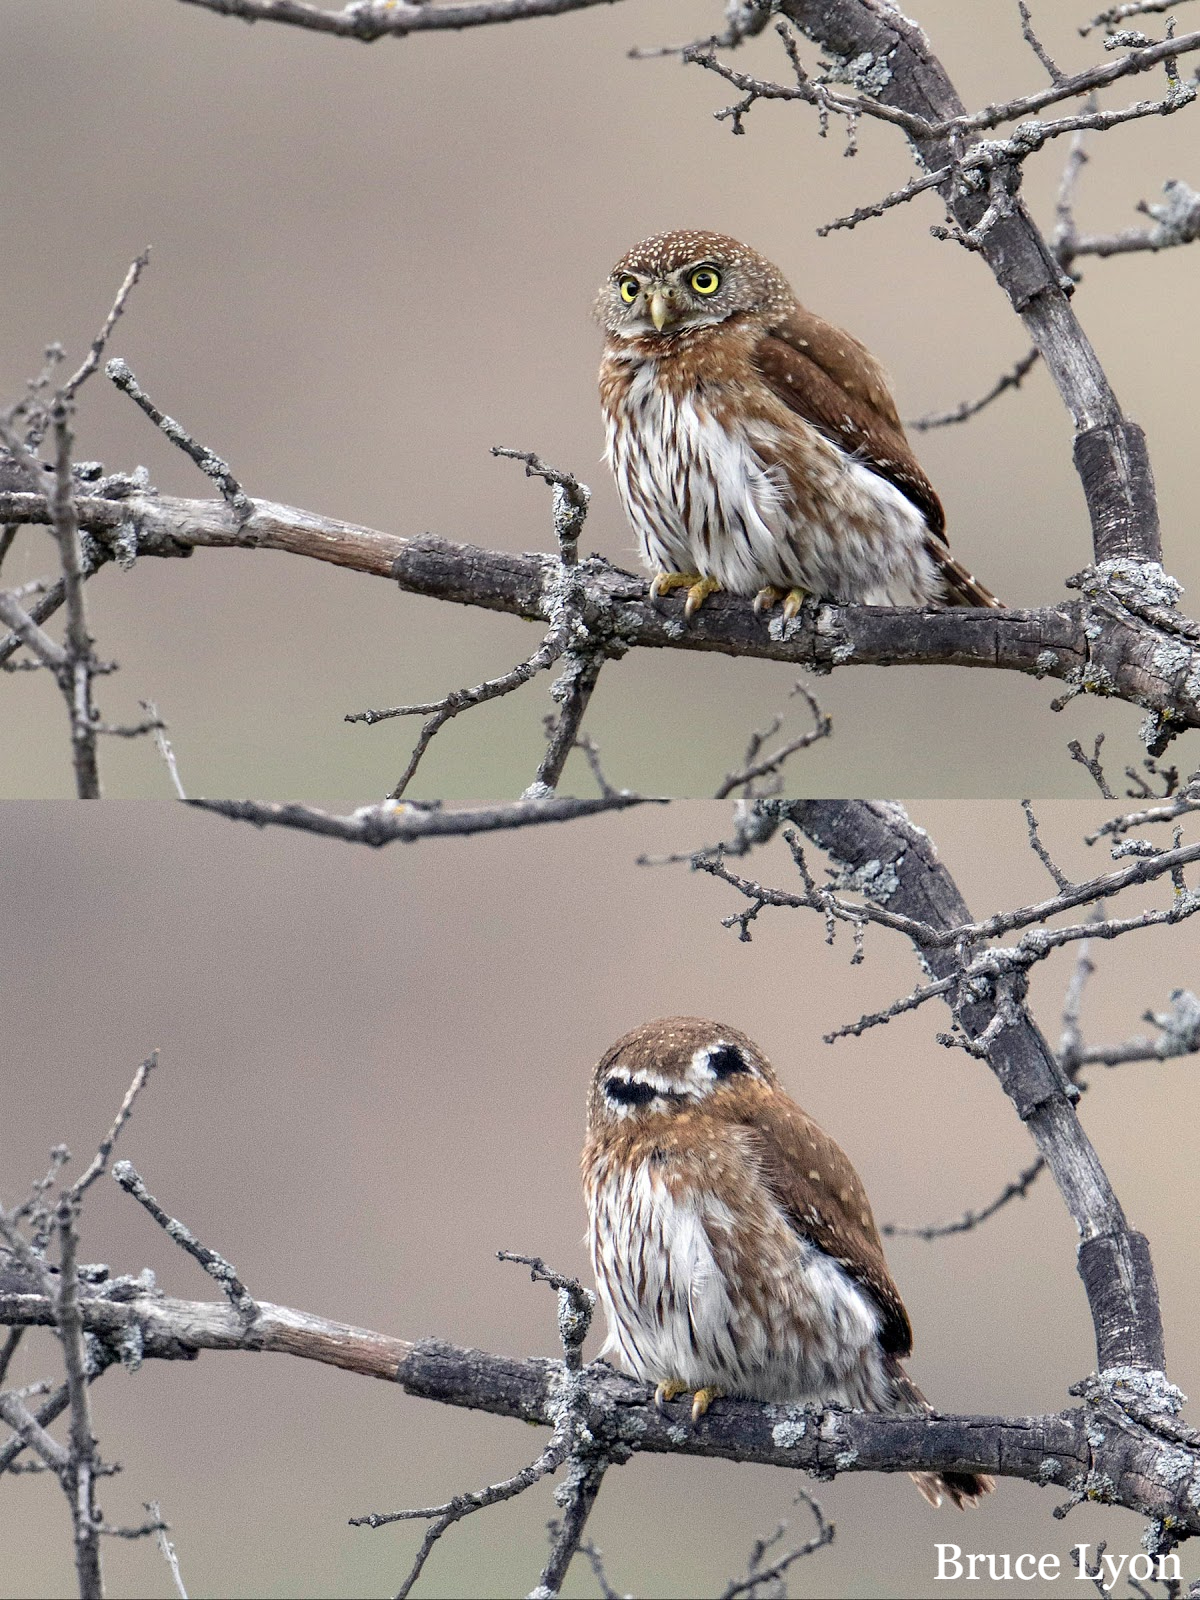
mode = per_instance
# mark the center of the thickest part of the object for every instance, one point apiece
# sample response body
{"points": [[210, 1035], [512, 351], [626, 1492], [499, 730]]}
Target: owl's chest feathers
{"points": [[718, 476], [703, 1279]]}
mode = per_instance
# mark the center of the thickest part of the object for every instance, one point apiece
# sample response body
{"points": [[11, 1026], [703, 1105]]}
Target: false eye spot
{"points": [[706, 280], [627, 1092], [629, 288], [727, 1059]]}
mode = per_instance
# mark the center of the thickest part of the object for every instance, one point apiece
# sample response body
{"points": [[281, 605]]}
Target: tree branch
{"points": [[894, 55], [1108, 642], [1114, 1260], [1135, 1466], [395, 18]]}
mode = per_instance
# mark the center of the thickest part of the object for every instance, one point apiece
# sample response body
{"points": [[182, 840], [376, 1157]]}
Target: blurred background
{"points": [[373, 1075], [371, 265]]}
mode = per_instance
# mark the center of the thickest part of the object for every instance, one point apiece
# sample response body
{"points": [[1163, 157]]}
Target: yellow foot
{"points": [[766, 598], [698, 588], [663, 582], [669, 1389], [701, 1401], [791, 605]]}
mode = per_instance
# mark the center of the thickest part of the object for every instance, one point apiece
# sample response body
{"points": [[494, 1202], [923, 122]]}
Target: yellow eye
{"points": [[706, 280], [629, 288]]}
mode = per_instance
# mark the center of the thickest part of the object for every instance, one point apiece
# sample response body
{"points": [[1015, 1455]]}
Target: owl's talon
{"points": [[767, 597], [669, 1389], [701, 1401], [663, 582], [791, 605], [698, 594]]}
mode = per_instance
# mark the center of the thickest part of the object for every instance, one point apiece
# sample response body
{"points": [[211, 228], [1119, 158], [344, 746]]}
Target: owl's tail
{"points": [[962, 1489], [962, 587]]}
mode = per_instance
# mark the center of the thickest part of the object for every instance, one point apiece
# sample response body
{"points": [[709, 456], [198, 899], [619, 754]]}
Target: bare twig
{"points": [[755, 766], [220, 1270], [1016, 1190], [75, 677], [100, 1159], [380, 825], [1176, 221], [440, 712], [575, 1305], [1115, 15], [573, 691], [166, 1548], [576, 1495], [1012, 379], [210, 464], [1101, 76], [758, 1574], [32, 1435], [1039, 849], [92, 360], [1035, 44], [595, 1559], [1188, 800], [163, 745], [9, 1350], [29, 634], [445, 1516], [79, 1474], [1092, 763], [395, 18]]}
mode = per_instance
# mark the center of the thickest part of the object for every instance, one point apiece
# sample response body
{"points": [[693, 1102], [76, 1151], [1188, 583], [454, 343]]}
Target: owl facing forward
{"points": [[733, 1244], [755, 447]]}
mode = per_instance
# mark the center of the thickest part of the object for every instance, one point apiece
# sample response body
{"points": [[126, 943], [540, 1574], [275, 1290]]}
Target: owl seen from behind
{"points": [[732, 1241], [756, 448]]}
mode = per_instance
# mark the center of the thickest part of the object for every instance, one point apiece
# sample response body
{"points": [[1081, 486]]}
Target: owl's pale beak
{"points": [[660, 308]]}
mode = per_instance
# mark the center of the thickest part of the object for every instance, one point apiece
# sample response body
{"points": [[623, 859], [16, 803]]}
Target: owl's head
{"points": [[686, 279], [664, 1066]]}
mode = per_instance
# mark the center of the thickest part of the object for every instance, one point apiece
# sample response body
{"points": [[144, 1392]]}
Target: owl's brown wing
{"points": [[824, 1200], [835, 383]]}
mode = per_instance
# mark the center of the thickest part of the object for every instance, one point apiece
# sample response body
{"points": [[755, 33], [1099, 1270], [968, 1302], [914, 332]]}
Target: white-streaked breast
{"points": [[709, 495], [674, 1314]]}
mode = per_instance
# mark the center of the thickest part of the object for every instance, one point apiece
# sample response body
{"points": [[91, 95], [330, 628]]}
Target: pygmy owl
{"points": [[756, 448], [733, 1244]]}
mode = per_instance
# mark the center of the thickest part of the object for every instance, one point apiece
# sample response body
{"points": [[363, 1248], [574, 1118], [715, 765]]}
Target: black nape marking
{"points": [[626, 1092], [727, 1059]]}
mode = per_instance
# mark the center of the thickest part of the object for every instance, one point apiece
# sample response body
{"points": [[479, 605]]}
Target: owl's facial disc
{"points": [[673, 300], [687, 1081]]}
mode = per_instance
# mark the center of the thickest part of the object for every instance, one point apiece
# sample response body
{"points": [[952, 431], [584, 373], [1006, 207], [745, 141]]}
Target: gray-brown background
{"points": [[371, 264], [373, 1077]]}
